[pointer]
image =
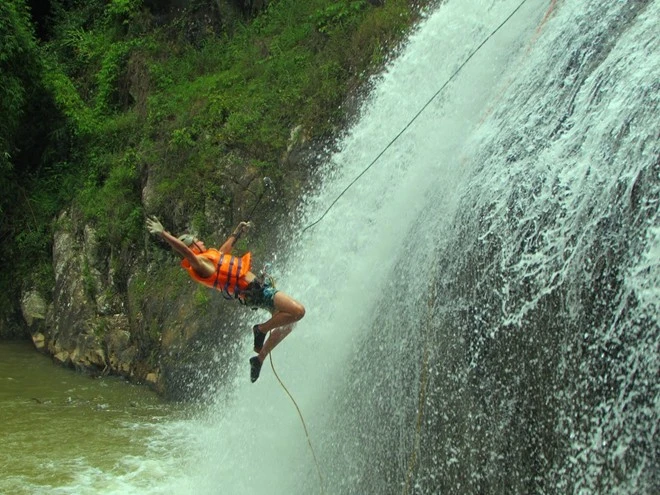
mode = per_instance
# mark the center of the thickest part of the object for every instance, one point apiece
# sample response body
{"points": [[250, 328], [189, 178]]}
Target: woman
{"points": [[231, 275]]}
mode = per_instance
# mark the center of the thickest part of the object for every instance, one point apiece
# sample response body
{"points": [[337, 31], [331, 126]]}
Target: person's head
{"points": [[193, 243]]}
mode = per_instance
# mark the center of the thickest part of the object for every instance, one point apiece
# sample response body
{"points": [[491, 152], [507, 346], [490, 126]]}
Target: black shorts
{"points": [[261, 295]]}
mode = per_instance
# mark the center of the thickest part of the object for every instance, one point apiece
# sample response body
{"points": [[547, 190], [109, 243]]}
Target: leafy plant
{"points": [[337, 15], [112, 67], [214, 100], [19, 70]]}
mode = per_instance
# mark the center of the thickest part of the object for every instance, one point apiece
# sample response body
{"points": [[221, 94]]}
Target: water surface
{"points": [[65, 432]]}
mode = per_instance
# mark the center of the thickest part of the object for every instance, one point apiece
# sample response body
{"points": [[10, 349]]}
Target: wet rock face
{"points": [[111, 313], [33, 308], [72, 313], [35, 312], [85, 326], [162, 339]]}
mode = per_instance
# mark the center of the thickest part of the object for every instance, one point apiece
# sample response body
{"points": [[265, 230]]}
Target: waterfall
{"points": [[482, 305]]}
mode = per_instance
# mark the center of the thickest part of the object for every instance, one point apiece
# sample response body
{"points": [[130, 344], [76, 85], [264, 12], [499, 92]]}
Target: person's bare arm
{"points": [[231, 240], [156, 228]]}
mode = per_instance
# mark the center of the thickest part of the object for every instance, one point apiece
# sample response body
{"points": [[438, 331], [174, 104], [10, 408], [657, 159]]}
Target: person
{"points": [[231, 275]]}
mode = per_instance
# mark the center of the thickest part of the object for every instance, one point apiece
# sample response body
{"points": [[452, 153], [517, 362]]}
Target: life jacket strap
{"points": [[229, 272], [217, 274], [238, 275], [231, 284]]}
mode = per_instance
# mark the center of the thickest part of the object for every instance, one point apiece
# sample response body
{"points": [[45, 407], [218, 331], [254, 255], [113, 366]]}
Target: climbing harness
{"points": [[421, 110]]}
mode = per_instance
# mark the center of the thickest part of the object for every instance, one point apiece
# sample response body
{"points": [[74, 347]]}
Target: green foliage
{"points": [[114, 204], [219, 92], [337, 15], [18, 71], [82, 44], [81, 119], [88, 281], [256, 86], [112, 66], [136, 291], [123, 10], [182, 138], [201, 297]]}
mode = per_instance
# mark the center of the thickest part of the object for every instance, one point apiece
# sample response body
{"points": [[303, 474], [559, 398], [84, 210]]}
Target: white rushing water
{"points": [[488, 267], [482, 305]]}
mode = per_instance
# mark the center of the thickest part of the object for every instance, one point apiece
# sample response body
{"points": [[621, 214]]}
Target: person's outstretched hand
{"points": [[154, 226], [244, 226]]}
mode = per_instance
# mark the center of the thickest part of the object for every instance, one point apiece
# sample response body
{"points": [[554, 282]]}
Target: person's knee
{"points": [[299, 311]]}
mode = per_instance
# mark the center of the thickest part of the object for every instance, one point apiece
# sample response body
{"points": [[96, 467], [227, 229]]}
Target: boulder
{"points": [[33, 307], [152, 378], [62, 357], [39, 341]]}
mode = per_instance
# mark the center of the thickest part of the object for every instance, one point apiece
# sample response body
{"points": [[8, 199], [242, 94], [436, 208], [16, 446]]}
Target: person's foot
{"points": [[255, 368], [259, 338]]}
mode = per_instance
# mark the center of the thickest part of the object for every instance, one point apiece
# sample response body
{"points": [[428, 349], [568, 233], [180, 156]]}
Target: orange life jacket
{"points": [[230, 271]]}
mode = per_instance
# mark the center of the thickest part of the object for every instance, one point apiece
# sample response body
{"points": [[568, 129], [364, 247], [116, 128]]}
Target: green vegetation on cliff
{"points": [[119, 95]]}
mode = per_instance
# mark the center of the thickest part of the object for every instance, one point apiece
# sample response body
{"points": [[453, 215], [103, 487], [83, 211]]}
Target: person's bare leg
{"points": [[276, 336], [287, 312]]}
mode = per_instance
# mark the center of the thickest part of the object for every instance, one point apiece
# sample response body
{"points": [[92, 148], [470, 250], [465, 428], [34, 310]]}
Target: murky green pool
{"points": [[64, 432]]}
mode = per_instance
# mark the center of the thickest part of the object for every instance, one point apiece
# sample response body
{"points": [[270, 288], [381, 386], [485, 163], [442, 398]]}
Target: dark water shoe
{"points": [[259, 338], [255, 368]]}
